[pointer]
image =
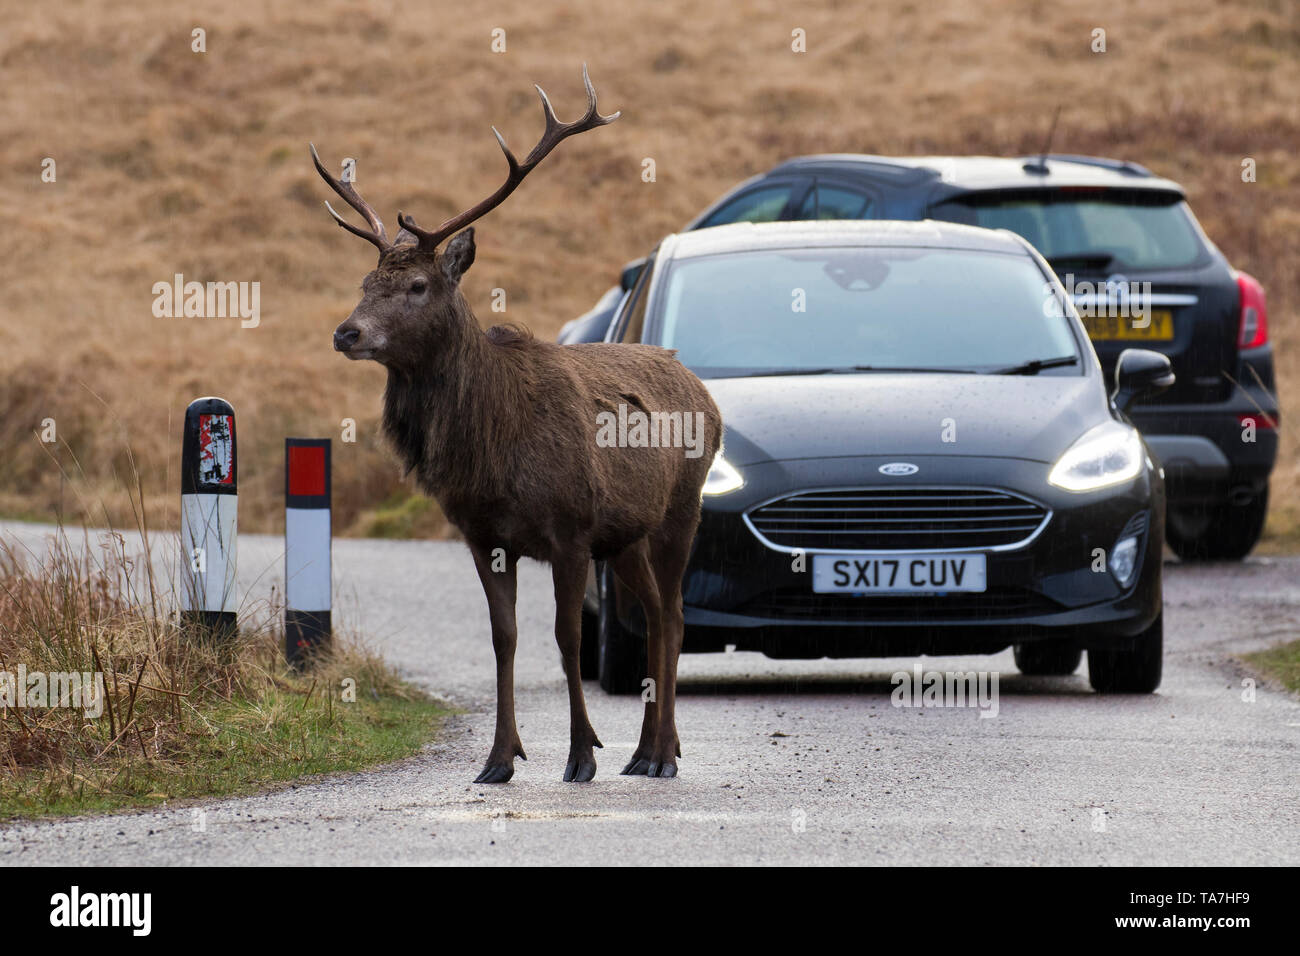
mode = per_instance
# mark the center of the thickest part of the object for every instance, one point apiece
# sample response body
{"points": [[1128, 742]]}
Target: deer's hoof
{"points": [[665, 769], [496, 773], [579, 770], [636, 767]]}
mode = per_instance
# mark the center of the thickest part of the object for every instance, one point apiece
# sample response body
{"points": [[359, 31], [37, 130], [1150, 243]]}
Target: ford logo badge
{"points": [[897, 468]]}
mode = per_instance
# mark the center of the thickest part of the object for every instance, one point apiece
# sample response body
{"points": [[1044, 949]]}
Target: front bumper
{"points": [[740, 591]]}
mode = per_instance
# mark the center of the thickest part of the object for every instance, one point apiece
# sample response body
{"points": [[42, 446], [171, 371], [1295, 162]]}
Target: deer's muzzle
{"points": [[344, 339]]}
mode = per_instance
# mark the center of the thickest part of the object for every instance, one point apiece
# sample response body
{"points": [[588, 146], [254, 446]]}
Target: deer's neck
{"points": [[451, 414]]}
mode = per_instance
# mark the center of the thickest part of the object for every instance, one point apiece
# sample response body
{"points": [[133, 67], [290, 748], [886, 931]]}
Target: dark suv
{"points": [[1141, 271]]}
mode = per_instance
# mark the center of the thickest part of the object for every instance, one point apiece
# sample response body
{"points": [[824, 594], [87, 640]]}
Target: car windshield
{"points": [[861, 309], [1087, 229]]}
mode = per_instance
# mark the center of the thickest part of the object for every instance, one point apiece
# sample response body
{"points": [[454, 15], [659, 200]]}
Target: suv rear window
{"points": [[833, 202], [1086, 228], [764, 204]]}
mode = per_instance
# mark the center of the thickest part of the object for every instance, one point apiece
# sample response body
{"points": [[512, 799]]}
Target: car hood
{"points": [[778, 418]]}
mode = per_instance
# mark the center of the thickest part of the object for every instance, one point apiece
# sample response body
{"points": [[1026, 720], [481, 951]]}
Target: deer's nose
{"points": [[344, 339]]}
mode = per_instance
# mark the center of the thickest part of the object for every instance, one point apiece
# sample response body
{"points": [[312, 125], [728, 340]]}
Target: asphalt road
{"points": [[783, 762]]}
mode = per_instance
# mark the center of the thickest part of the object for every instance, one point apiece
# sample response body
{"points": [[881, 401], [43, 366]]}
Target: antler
{"points": [[554, 133], [378, 234]]}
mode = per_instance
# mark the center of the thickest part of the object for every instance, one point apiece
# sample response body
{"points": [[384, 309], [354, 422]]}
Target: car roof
{"points": [[747, 236], [963, 173]]}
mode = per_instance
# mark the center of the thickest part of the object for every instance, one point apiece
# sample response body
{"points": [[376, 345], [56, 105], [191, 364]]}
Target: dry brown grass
{"points": [[177, 715], [171, 161]]}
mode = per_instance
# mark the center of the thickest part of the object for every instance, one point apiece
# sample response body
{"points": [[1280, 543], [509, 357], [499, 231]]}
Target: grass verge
{"points": [[1281, 663], [158, 713], [403, 514]]}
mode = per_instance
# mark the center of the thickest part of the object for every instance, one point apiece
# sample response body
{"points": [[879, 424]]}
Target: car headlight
{"points": [[722, 477], [1103, 456]]}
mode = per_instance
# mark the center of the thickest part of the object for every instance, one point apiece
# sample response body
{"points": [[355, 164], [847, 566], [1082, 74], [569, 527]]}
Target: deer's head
{"points": [[408, 303], [411, 298]]}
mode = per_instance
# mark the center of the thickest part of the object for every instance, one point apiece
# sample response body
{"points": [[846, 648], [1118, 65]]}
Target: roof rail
{"points": [[1118, 165], [899, 163]]}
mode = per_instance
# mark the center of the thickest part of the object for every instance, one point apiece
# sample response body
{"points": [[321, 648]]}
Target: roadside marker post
{"points": [[209, 511], [307, 540]]}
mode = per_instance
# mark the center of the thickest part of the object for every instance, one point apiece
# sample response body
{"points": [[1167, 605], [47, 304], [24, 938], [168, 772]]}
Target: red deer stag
{"points": [[502, 430]]}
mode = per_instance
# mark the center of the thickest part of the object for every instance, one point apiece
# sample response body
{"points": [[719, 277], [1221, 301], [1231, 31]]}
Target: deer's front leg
{"points": [[499, 584], [569, 575]]}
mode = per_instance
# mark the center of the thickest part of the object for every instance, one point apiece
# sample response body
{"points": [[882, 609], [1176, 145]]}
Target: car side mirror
{"points": [[1140, 373], [631, 272]]}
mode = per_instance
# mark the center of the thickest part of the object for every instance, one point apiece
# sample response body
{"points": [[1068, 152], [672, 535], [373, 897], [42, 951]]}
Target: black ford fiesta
{"points": [[921, 455]]}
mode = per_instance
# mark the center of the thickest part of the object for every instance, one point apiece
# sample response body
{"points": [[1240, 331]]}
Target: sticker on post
{"points": [[216, 450]]}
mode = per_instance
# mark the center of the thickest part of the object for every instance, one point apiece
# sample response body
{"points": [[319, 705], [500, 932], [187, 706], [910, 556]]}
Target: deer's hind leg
{"points": [[634, 569], [569, 575], [670, 549]]}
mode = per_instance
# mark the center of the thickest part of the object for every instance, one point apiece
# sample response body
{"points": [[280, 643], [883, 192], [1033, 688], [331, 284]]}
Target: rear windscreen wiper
{"points": [[1099, 259], [1034, 366]]}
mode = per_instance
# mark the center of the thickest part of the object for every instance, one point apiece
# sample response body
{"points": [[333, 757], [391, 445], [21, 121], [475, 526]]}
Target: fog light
{"points": [[1123, 561]]}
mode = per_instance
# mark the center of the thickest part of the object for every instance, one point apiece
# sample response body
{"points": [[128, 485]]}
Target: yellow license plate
{"points": [[1160, 328]]}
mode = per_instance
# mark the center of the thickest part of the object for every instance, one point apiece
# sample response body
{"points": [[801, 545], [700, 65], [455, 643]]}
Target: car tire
{"points": [[589, 651], [1221, 531], [1133, 671], [621, 654], [1048, 658]]}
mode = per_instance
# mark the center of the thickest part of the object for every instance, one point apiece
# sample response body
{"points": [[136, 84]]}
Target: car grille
{"points": [[802, 604], [897, 519]]}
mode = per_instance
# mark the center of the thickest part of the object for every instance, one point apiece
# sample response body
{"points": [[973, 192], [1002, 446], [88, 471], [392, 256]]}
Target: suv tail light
{"points": [[1260, 421], [1254, 313]]}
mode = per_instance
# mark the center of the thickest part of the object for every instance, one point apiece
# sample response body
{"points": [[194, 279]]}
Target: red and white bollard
{"points": [[209, 510], [307, 537]]}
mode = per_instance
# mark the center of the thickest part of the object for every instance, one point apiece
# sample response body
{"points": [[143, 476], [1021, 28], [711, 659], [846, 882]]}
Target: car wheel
{"points": [[621, 654], [1048, 658], [1134, 671], [1221, 531]]}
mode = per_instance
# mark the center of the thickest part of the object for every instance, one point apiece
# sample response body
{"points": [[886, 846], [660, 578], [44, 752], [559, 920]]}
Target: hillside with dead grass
{"points": [[170, 161]]}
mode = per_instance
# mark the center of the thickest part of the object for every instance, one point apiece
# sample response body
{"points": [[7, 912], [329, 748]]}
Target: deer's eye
{"points": [[418, 285]]}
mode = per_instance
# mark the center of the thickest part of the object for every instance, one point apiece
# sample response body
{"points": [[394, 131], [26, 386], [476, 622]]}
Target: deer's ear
{"points": [[459, 255]]}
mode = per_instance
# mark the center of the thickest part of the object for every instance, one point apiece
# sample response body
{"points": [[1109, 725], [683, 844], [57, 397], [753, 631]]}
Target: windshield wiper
{"points": [[760, 373], [1034, 366], [907, 368], [848, 370]]}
